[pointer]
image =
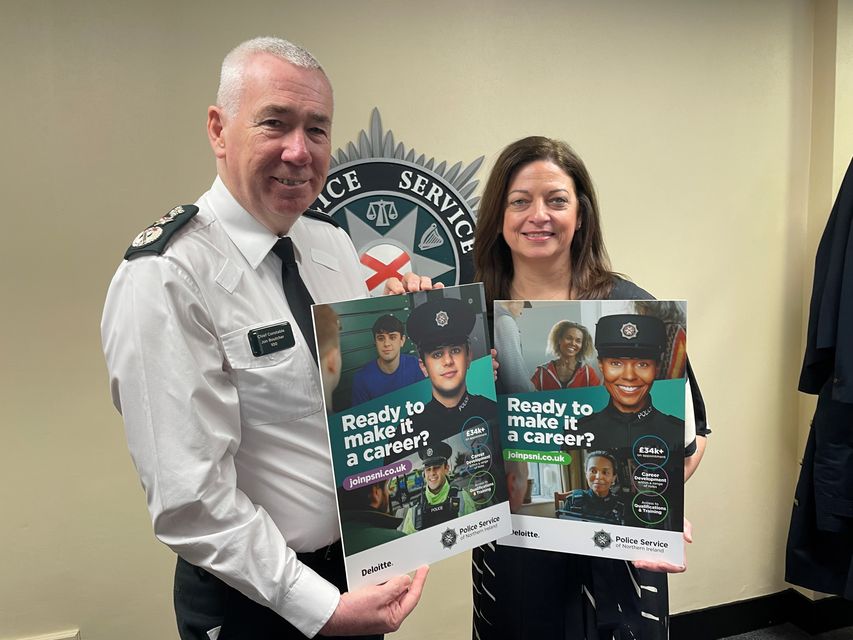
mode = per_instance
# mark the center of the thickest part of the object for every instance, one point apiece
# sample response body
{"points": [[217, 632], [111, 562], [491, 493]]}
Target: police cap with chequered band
{"points": [[434, 455], [630, 336], [440, 322]]}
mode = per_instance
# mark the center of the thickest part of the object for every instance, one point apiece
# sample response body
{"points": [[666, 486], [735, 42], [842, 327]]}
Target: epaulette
{"points": [[317, 215], [155, 238]]}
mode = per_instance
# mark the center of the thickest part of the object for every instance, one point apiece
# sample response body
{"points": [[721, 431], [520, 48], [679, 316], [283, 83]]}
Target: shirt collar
{"points": [[643, 414], [252, 238], [460, 406]]}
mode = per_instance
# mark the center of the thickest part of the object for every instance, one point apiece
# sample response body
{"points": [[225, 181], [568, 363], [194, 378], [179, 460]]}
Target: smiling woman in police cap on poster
{"points": [[630, 348]]}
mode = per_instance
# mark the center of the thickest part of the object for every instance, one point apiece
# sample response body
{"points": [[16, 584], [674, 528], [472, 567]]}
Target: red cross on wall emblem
{"points": [[386, 261]]}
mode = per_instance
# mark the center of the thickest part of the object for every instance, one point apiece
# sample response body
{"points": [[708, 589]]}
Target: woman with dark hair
{"points": [[538, 237], [571, 343], [567, 259]]}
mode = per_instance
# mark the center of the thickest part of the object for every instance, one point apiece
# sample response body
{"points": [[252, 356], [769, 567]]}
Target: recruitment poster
{"points": [[593, 428], [412, 418]]}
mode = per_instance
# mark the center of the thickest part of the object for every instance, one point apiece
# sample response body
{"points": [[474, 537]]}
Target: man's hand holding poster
{"points": [[595, 452]]}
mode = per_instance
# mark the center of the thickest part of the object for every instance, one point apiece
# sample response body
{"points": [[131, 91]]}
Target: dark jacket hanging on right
{"points": [[820, 541]]}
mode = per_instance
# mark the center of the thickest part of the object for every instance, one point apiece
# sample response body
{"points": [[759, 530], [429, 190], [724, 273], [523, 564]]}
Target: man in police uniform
{"points": [[440, 328], [440, 500], [597, 503], [629, 351], [212, 368]]}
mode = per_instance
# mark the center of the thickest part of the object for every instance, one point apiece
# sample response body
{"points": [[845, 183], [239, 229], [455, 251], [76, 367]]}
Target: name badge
{"points": [[266, 340]]}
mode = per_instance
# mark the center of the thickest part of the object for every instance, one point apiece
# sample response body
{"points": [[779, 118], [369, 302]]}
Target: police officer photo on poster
{"points": [[411, 408], [594, 453]]}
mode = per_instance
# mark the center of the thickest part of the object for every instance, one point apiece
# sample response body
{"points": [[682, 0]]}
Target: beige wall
{"points": [[695, 119]]}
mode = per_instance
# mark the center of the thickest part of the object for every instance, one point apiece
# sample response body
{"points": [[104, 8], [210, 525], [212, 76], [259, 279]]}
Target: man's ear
{"points": [[215, 129], [423, 368], [332, 360]]}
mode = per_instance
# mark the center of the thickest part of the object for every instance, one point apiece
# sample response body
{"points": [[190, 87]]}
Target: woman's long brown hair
{"points": [[592, 277]]}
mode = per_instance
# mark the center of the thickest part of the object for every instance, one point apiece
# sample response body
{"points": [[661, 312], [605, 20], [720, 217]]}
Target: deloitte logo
{"points": [[402, 213]]}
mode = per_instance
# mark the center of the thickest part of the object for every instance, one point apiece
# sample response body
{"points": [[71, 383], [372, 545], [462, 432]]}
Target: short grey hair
{"points": [[233, 66]]}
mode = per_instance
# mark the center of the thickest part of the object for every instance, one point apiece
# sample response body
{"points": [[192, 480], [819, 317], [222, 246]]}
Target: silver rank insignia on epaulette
{"points": [[629, 331], [174, 213], [147, 237], [441, 318], [153, 240], [152, 233]]}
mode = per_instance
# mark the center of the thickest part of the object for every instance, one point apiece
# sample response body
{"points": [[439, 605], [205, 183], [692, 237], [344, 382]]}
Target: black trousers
{"points": [[203, 602]]}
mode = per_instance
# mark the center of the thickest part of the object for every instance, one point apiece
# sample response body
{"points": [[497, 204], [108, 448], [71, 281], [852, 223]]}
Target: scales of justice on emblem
{"points": [[403, 212]]}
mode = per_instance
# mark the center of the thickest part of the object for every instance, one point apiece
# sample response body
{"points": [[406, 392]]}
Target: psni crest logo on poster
{"points": [[402, 212]]}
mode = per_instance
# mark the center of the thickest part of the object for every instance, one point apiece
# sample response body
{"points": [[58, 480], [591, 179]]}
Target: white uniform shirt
{"points": [[232, 449]]}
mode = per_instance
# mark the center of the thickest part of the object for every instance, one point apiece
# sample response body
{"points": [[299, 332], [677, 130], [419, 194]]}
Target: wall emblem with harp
{"points": [[404, 212]]}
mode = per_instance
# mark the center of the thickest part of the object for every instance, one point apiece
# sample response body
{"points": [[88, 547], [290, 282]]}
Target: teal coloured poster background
{"points": [[479, 382]]}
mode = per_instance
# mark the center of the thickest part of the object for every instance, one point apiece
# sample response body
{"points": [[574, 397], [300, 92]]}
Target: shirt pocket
{"points": [[273, 388], [326, 259]]}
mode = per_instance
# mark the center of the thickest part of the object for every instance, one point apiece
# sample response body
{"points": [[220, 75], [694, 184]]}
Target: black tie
{"points": [[298, 297]]}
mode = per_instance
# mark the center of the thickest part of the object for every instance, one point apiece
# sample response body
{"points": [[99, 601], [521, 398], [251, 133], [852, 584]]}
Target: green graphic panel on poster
{"points": [[560, 413], [358, 448]]}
